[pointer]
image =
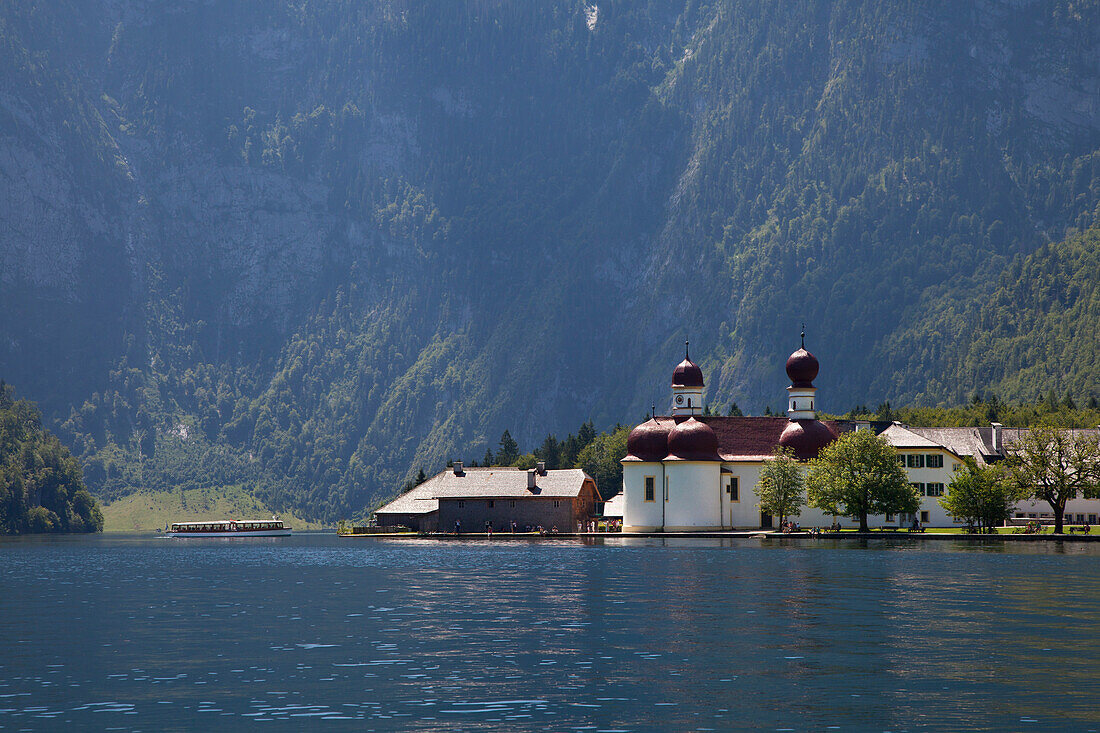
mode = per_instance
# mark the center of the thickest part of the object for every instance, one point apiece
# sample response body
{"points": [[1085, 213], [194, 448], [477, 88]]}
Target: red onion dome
{"points": [[692, 440], [802, 368], [687, 374], [647, 442], [806, 438]]}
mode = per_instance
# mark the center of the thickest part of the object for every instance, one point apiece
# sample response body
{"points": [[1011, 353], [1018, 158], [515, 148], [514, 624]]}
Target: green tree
{"points": [[509, 450], [525, 461], [734, 410], [858, 475], [586, 434], [41, 484], [982, 495], [601, 458], [550, 452], [1055, 465], [781, 488]]}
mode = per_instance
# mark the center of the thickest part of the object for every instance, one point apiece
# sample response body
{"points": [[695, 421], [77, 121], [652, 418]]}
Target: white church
{"points": [[693, 472]]}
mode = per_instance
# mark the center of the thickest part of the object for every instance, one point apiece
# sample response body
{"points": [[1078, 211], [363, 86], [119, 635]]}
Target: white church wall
{"points": [[640, 515], [694, 496], [744, 513]]}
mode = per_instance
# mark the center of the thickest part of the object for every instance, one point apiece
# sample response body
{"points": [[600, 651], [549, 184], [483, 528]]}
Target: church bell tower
{"points": [[802, 368], [687, 387]]}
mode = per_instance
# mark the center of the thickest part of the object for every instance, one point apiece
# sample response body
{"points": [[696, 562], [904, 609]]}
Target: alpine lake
{"points": [[316, 632]]}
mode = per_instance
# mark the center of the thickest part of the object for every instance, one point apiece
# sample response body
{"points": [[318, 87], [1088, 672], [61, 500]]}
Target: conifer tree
{"points": [[509, 450]]}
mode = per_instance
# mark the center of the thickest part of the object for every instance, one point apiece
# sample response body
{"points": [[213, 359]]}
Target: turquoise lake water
{"points": [[314, 632]]}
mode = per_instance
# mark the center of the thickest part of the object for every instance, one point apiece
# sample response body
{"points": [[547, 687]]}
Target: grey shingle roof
{"points": [[977, 442], [486, 483], [973, 442], [903, 437]]}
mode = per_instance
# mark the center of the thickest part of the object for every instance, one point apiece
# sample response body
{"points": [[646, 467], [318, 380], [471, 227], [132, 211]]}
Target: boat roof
{"points": [[227, 521]]}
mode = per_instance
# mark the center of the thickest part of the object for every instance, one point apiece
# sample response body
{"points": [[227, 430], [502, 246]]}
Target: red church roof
{"points": [[755, 438], [687, 374], [692, 440]]}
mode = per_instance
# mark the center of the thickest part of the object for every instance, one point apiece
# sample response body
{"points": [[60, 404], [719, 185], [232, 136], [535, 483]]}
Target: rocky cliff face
{"points": [[347, 242]]}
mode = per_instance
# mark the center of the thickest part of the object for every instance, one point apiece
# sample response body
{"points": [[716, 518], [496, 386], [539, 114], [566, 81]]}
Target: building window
{"points": [[889, 517], [919, 487], [914, 460], [933, 460], [649, 489], [1092, 519], [666, 488], [901, 461], [934, 490], [924, 517], [956, 466], [490, 503], [461, 504], [556, 503], [733, 489], [513, 503]]}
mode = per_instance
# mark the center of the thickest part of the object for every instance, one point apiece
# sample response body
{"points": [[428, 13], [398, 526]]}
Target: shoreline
{"points": [[733, 534]]}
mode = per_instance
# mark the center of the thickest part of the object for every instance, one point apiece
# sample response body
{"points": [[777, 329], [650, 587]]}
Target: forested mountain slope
{"points": [[41, 485], [1034, 335], [313, 247]]}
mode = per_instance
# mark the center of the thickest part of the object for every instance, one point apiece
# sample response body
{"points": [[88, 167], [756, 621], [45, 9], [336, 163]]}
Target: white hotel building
{"points": [[690, 472]]}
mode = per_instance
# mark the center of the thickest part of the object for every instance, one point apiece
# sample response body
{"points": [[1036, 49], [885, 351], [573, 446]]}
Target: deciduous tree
{"points": [[982, 495], [858, 475], [781, 488], [601, 459], [1055, 465]]}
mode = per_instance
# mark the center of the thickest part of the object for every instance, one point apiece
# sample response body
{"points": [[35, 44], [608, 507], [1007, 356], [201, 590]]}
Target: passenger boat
{"points": [[230, 528]]}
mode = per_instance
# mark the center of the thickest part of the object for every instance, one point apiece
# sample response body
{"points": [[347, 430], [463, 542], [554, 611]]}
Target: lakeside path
{"points": [[757, 534]]}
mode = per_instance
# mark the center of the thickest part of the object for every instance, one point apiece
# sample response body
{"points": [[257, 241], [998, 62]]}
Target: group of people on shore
{"points": [[514, 527], [1036, 527], [594, 525], [612, 525]]}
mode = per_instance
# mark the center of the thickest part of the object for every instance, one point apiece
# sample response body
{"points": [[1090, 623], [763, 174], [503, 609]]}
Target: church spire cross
{"points": [[803, 334], [687, 352]]}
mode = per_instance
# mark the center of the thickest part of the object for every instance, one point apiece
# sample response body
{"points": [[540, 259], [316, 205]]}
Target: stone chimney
{"points": [[998, 446], [541, 468], [458, 468], [530, 479]]}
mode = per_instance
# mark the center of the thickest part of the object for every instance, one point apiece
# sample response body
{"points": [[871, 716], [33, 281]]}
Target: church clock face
{"points": [[679, 399]]}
